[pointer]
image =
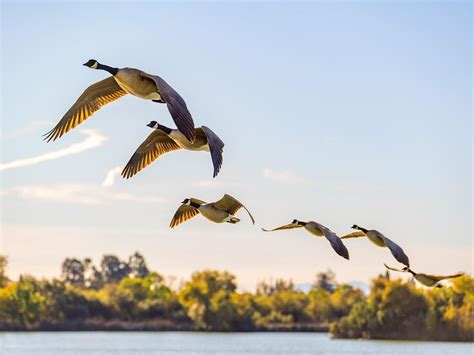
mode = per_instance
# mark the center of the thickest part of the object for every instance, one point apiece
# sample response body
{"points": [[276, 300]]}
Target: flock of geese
{"points": [[164, 139]]}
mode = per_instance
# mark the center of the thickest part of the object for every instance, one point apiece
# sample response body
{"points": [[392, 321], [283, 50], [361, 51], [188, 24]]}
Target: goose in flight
{"points": [[124, 81], [425, 279], [163, 140], [218, 212], [318, 230], [380, 240]]}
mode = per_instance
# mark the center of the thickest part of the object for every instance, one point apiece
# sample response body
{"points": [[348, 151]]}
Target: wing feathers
{"points": [[91, 100], [156, 144]]}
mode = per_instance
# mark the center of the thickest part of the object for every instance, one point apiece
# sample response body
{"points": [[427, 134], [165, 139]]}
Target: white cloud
{"points": [[29, 128], [110, 177], [84, 194], [286, 176], [93, 139]]}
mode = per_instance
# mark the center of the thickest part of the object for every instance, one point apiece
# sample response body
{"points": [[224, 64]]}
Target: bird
{"points": [[425, 279], [163, 140], [380, 240], [318, 230], [218, 212], [124, 81]]}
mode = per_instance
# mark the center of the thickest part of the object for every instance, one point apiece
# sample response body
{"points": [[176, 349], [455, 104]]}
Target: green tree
{"points": [[137, 265], [72, 272], [207, 298], [3, 270], [113, 269]]}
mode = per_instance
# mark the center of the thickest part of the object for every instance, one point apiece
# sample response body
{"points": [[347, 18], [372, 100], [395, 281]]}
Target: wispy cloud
{"points": [[286, 176], [93, 139], [29, 128], [111, 175], [84, 194]]}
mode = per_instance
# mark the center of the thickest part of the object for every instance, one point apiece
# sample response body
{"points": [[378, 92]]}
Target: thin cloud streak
{"points": [[84, 194], [111, 175], [93, 139]]}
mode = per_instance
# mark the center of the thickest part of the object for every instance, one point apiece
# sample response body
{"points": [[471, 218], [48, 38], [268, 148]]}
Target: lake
{"points": [[175, 343]]}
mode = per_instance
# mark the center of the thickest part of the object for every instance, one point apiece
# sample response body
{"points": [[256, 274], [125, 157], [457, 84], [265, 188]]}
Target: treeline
{"points": [[127, 295]]}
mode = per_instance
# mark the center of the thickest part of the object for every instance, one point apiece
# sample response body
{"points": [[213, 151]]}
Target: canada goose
{"points": [[124, 81], [318, 230], [425, 279], [380, 240], [219, 212], [163, 140]]}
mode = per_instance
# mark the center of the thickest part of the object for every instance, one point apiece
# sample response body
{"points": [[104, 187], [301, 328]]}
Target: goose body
{"points": [[122, 82], [426, 279], [317, 230], [163, 140], [137, 83], [380, 240], [221, 211]]}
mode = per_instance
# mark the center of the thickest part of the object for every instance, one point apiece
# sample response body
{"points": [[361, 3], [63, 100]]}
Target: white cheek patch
{"points": [[94, 66]]}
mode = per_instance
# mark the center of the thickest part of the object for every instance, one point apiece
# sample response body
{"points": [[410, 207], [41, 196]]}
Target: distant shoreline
{"points": [[151, 326], [132, 329]]}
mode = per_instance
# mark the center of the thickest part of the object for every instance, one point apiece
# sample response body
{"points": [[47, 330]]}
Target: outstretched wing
{"points": [[231, 205], [215, 146], [357, 234], [286, 226], [177, 107], [439, 278], [156, 144], [396, 250], [182, 214], [91, 100], [336, 242], [393, 269]]}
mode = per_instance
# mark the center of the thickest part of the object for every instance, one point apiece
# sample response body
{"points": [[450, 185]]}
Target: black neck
{"points": [[111, 70], [194, 204], [362, 229], [300, 223], [411, 272], [164, 128]]}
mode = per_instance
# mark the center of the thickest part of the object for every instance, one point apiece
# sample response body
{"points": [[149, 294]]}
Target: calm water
{"points": [[164, 343]]}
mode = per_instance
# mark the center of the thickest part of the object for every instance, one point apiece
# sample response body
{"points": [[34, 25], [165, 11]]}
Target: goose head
{"points": [[153, 124], [355, 226], [295, 221], [91, 63], [186, 201]]}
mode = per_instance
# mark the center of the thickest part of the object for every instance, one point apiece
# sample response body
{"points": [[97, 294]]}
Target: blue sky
{"points": [[340, 113]]}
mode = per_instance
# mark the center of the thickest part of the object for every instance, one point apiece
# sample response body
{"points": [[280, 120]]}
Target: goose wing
{"points": [[286, 226], [156, 144], [357, 234], [177, 107], [216, 146], [393, 269], [182, 214], [336, 242], [439, 277], [91, 100], [396, 250], [231, 205]]}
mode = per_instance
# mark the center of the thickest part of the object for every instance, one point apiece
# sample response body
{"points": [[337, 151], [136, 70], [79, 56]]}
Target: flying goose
{"points": [[219, 212], [380, 240], [163, 140], [425, 279], [124, 81], [318, 230]]}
